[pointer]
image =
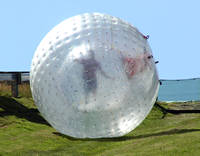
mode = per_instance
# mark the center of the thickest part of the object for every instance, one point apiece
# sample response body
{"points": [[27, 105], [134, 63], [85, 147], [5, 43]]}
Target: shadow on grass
{"points": [[125, 138], [12, 107]]}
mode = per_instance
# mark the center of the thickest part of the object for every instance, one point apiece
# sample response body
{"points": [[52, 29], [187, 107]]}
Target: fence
{"points": [[170, 90], [14, 79]]}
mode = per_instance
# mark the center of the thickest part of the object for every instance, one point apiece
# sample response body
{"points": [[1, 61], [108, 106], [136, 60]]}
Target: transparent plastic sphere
{"points": [[94, 76]]}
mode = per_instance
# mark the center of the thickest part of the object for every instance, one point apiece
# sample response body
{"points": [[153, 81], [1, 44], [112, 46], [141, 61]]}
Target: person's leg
{"points": [[94, 88], [86, 90]]}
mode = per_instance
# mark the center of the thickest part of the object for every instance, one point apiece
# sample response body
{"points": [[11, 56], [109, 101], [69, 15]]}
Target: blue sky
{"points": [[173, 26]]}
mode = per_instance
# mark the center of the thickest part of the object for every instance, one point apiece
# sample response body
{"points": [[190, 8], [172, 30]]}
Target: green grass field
{"points": [[24, 132]]}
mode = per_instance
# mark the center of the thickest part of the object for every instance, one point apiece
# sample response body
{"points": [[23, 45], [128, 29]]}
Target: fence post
{"points": [[16, 77], [14, 87]]}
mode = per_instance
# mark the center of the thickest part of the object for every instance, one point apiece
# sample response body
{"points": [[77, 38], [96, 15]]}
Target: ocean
{"points": [[180, 90], [3, 77]]}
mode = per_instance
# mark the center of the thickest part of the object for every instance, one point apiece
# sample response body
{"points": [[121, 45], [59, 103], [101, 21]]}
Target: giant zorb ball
{"points": [[93, 76]]}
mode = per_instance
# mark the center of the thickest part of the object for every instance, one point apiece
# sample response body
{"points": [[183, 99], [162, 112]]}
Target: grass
{"points": [[24, 132], [24, 89], [190, 105]]}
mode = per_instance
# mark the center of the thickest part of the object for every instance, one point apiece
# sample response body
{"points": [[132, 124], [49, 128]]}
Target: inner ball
{"points": [[94, 76]]}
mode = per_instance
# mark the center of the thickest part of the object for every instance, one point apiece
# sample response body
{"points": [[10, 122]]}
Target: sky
{"points": [[173, 26]]}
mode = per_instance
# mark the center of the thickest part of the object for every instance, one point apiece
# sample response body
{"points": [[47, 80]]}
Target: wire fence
{"points": [[170, 90], [14, 79], [8, 76]]}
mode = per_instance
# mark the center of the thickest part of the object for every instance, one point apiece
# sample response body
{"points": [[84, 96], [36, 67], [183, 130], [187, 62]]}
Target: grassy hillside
{"points": [[24, 132], [24, 89]]}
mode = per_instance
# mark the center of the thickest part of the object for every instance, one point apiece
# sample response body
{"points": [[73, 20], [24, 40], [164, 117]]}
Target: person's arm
{"points": [[103, 73], [122, 57], [81, 61], [77, 60]]}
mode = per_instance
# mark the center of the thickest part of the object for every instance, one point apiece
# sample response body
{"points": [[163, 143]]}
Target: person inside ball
{"points": [[137, 64], [90, 68]]}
